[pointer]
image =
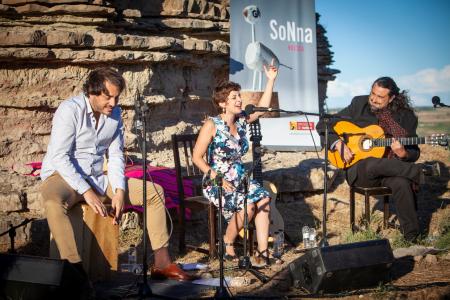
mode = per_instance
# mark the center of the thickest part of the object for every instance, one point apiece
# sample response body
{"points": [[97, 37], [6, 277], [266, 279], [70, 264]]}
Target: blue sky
{"points": [[408, 40]]}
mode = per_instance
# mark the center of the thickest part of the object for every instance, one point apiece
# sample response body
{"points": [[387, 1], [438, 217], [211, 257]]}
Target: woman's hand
{"points": [[271, 71], [227, 186]]}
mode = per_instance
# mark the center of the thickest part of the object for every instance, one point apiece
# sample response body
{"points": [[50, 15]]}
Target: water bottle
{"points": [[276, 244], [281, 244], [129, 266], [305, 234], [132, 255], [133, 266], [312, 238]]}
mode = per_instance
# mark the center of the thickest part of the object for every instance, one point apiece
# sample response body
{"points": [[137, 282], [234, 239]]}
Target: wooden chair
{"points": [[185, 143], [367, 192], [384, 191]]}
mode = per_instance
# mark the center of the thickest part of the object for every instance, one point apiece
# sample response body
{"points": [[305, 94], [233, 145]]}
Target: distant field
{"points": [[433, 120]]}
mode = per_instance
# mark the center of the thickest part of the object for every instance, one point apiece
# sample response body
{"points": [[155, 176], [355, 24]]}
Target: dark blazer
{"points": [[361, 115]]}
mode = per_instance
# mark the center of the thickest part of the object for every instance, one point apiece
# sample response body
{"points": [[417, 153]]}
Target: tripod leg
{"points": [[221, 291], [212, 211], [251, 245], [260, 276]]}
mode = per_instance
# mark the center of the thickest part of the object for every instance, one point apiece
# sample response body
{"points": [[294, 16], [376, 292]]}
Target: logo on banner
{"points": [[299, 126], [290, 32]]}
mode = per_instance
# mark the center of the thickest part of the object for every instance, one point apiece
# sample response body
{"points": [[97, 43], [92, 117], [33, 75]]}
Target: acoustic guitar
{"points": [[370, 141], [276, 220]]}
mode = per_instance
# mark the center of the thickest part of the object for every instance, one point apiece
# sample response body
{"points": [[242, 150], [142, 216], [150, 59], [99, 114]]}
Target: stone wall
{"points": [[173, 51]]}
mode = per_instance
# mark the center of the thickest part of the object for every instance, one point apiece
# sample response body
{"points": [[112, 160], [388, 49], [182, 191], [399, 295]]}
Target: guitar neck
{"points": [[405, 141], [257, 168], [256, 155]]}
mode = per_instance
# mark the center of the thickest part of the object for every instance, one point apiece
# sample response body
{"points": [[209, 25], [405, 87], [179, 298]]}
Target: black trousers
{"points": [[399, 176]]}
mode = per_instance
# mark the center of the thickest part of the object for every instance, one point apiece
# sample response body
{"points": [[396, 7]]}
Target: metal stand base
{"points": [[144, 290]]}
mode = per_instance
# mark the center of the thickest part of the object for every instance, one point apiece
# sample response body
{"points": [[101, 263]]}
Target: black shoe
{"points": [[86, 289], [411, 237], [229, 257], [431, 169]]}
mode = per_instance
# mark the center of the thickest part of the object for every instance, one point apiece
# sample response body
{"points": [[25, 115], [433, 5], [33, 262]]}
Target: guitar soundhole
{"points": [[366, 143]]}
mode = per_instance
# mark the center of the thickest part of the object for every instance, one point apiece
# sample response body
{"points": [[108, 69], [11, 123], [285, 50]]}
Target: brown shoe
{"points": [[172, 271]]}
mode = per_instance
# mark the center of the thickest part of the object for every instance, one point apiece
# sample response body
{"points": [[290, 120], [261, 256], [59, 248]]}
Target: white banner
{"points": [[262, 30]]}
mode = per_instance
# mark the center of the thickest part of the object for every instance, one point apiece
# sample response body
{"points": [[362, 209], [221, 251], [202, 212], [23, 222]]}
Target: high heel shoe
{"points": [[261, 259]]}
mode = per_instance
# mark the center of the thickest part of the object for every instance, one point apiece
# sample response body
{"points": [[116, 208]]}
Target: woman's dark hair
{"points": [[95, 83], [222, 91], [401, 99]]}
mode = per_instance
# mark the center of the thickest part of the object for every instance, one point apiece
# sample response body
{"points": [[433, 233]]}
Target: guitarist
{"points": [[389, 108]]}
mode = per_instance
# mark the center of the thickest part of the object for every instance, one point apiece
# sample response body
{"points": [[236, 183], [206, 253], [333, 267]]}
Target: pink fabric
{"points": [[166, 178], [35, 168], [163, 176]]}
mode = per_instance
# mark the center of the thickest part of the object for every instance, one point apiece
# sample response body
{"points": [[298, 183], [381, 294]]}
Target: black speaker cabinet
{"points": [[343, 267], [31, 277]]}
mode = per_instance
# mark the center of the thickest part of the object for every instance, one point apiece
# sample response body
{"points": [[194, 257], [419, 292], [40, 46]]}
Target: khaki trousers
{"points": [[59, 197]]}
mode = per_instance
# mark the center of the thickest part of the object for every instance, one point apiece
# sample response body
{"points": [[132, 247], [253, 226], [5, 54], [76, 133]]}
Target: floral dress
{"points": [[225, 157]]}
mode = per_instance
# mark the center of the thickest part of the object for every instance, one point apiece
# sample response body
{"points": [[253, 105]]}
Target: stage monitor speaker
{"points": [[31, 277], [343, 267]]}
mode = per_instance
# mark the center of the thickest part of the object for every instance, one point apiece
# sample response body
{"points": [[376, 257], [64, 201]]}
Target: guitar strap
{"points": [[390, 126]]}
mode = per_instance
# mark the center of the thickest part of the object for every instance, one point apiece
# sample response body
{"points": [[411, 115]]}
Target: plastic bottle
{"points": [[305, 234], [276, 244], [133, 266], [126, 266], [312, 238], [132, 255], [281, 243]]}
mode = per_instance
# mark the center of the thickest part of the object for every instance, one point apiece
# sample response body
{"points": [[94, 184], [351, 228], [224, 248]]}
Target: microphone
{"points": [[138, 111], [436, 101], [250, 109], [137, 101]]}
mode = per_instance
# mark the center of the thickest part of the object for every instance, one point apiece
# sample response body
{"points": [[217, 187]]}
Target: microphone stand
{"points": [[221, 291], [324, 241], [440, 105], [244, 261], [141, 111], [12, 232], [443, 105], [144, 290]]}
